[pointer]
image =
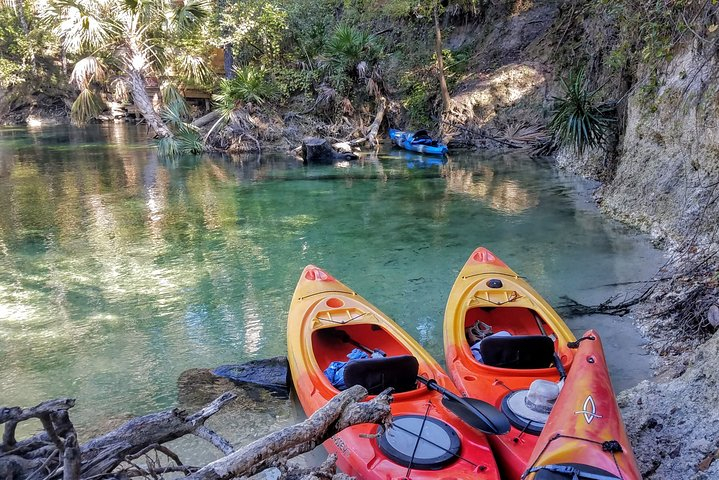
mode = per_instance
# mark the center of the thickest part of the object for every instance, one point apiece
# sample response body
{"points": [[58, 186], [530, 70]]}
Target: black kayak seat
{"points": [[517, 351], [377, 374]]}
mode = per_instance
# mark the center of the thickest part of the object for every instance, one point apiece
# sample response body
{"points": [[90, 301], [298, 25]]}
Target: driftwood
{"points": [[342, 411], [374, 127], [125, 452], [207, 119], [55, 453], [103, 454]]}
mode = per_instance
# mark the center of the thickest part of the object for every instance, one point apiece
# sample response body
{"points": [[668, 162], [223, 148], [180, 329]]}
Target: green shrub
{"points": [[249, 85], [347, 47]]}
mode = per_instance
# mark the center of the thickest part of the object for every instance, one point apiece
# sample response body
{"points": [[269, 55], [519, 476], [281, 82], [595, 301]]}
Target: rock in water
{"points": [[318, 150], [271, 373]]}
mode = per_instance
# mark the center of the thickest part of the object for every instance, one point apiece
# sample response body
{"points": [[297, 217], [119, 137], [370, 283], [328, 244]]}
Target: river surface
{"points": [[119, 271]]}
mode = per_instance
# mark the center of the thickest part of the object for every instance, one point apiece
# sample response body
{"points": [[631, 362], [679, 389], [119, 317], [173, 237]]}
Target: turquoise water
{"points": [[119, 271]]}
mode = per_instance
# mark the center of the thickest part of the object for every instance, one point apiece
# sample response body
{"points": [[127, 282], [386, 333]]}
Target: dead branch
{"points": [[342, 411], [607, 307], [104, 453], [374, 127]]}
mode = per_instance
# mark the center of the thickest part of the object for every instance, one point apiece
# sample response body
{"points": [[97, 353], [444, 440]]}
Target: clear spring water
{"points": [[119, 271]]}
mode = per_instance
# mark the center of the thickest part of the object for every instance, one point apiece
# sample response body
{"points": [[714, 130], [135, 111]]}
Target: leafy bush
{"points": [[578, 120], [248, 85], [348, 47]]}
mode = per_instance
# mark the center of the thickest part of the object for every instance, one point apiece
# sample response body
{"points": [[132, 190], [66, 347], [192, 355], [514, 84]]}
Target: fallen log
{"points": [[103, 454], [126, 451], [207, 119], [273, 450]]}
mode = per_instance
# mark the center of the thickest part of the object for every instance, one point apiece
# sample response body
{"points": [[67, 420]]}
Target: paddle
{"points": [[476, 413]]}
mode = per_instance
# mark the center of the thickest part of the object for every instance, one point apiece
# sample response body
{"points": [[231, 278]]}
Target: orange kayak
{"points": [[585, 435], [326, 322], [516, 334]]}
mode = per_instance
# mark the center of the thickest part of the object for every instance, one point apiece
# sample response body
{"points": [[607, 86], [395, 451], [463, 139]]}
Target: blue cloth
{"points": [[336, 371]]}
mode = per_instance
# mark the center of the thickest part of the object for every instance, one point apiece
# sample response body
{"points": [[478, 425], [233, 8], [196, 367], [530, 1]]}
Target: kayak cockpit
{"points": [[514, 338], [367, 355]]}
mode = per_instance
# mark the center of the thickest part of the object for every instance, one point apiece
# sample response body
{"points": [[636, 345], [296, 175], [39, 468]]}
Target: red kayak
{"points": [[330, 323], [584, 436]]}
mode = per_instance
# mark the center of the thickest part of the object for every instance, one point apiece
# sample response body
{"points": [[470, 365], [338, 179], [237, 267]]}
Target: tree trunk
{"points": [[20, 11], [446, 100], [144, 104], [229, 61]]}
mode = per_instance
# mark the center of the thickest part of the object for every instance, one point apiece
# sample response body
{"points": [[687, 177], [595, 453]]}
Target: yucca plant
{"points": [[578, 119]]}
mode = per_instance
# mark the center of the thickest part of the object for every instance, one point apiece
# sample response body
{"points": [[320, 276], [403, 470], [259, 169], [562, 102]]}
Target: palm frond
{"points": [[171, 96], [86, 106], [172, 114], [168, 147], [248, 85], [192, 67], [189, 13], [86, 71], [80, 26]]}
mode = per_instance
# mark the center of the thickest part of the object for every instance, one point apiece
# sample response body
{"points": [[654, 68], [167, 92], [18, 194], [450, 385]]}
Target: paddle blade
{"points": [[479, 414]]}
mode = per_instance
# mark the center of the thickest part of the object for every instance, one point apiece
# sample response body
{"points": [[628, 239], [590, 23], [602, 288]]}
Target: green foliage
{"points": [[255, 28], [186, 138], [456, 63], [289, 81], [347, 47], [86, 106], [421, 91], [28, 50], [578, 120], [308, 24], [249, 85]]}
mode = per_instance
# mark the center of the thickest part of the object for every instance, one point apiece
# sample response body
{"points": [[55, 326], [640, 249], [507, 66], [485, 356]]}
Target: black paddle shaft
{"points": [[477, 413]]}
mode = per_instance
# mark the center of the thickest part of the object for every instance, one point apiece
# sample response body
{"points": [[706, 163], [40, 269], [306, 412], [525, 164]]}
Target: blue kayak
{"points": [[418, 141]]}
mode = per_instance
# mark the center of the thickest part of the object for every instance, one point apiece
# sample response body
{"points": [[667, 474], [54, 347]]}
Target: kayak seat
{"points": [[377, 374], [517, 351]]}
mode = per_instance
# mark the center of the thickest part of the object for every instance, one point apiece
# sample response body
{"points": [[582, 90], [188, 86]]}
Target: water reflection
{"points": [[119, 271], [502, 193]]}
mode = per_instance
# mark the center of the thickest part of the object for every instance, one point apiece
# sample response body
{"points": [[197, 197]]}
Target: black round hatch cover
{"points": [[436, 447]]}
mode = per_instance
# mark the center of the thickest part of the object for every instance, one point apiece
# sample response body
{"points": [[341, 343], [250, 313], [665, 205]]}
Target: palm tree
{"points": [[135, 38]]}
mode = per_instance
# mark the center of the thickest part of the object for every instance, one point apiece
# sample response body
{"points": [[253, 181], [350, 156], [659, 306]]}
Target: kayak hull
{"points": [[405, 140], [321, 306], [513, 306], [585, 426]]}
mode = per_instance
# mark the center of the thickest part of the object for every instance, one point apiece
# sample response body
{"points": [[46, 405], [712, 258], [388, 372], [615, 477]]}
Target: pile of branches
{"points": [[136, 450]]}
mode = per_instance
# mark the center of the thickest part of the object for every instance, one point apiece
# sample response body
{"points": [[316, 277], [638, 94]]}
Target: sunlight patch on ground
{"points": [[480, 97]]}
